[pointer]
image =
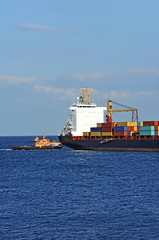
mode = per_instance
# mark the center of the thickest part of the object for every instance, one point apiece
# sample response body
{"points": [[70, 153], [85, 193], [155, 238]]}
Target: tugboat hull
{"points": [[35, 148]]}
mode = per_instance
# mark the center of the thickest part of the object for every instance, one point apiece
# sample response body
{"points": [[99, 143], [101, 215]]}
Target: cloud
{"points": [[154, 71], [120, 77], [115, 94], [62, 93], [126, 94], [146, 93], [107, 75], [72, 93], [89, 76], [41, 28], [58, 93], [16, 80]]}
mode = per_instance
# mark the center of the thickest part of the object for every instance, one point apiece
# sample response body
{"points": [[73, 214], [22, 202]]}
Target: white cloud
{"points": [[72, 93], [62, 93], [41, 28], [100, 76], [154, 71], [59, 93], [126, 94], [90, 76], [96, 76], [16, 80], [115, 94], [146, 93]]}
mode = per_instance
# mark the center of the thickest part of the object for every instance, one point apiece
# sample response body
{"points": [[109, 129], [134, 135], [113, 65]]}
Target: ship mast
{"points": [[86, 96], [43, 134]]}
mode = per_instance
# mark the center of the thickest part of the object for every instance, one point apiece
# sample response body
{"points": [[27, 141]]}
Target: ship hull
{"points": [[35, 148], [146, 145]]}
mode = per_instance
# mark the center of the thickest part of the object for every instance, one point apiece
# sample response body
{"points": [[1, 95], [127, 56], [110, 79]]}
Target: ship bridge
{"points": [[85, 114]]}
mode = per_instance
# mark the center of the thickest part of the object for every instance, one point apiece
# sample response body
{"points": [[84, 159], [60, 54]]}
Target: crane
{"points": [[129, 109]]}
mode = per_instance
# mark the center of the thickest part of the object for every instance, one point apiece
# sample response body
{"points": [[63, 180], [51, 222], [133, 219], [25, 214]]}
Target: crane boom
{"points": [[124, 110], [109, 111]]}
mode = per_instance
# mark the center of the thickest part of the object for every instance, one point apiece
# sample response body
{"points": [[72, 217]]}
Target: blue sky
{"points": [[50, 49]]}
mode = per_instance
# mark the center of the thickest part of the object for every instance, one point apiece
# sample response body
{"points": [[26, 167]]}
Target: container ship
{"points": [[87, 130]]}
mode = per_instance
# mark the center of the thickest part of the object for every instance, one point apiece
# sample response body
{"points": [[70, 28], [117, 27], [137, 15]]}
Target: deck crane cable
{"points": [[121, 105]]}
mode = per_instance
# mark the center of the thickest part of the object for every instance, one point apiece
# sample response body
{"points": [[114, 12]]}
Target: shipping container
{"points": [[120, 133], [86, 134], [147, 133], [96, 134], [141, 124], [108, 124], [156, 128], [107, 129], [156, 133], [121, 124], [96, 129], [150, 123], [132, 124], [147, 128], [130, 128], [99, 124], [104, 134], [120, 129], [138, 124]]}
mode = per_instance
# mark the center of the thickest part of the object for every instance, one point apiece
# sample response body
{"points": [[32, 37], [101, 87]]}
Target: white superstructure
{"points": [[84, 115]]}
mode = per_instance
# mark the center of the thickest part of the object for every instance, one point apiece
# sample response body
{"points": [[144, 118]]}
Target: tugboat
{"points": [[43, 144]]}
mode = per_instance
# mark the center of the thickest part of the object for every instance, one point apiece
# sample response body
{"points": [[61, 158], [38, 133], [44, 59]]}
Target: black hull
{"points": [[34, 148], [147, 145]]}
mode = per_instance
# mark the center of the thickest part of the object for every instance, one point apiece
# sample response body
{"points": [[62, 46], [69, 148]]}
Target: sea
{"points": [[77, 195]]}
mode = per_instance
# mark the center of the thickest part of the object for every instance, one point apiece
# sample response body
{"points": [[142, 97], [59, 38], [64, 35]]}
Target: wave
{"points": [[6, 149]]}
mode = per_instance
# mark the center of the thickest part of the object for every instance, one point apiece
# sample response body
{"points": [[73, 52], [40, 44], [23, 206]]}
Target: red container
{"points": [[130, 128], [138, 129], [156, 128], [107, 129], [105, 125], [150, 123], [156, 123], [118, 133]]}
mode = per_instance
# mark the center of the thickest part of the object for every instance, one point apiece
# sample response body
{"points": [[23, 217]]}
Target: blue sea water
{"points": [[68, 194]]}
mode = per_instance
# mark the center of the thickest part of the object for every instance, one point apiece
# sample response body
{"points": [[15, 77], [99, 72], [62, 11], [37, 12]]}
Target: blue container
{"points": [[96, 129], [120, 129], [156, 133], [128, 133], [147, 133], [138, 124], [147, 128]]}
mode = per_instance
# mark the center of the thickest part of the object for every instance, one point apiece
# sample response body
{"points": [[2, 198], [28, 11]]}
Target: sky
{"points": [[50, 49]]}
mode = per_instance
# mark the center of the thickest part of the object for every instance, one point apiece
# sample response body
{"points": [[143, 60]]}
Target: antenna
{"points": [[86, 96]]}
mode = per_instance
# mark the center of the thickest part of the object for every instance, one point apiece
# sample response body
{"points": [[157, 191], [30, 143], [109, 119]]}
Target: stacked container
{"points": [[146, 128], [150, 128], [120, 131], [107, 129]]}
